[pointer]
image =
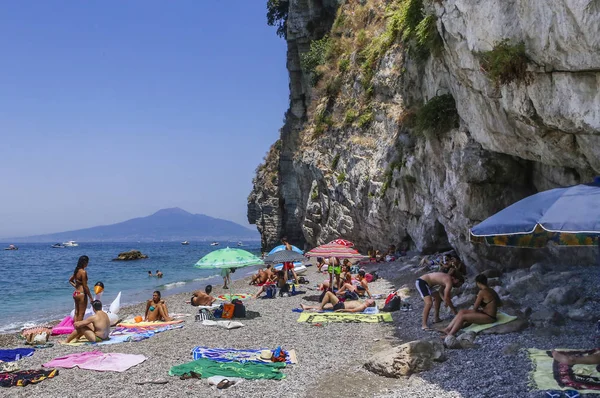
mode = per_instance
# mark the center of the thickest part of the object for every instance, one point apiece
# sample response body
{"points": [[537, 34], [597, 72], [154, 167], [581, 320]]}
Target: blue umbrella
{"points": [[567, 216], [282, 247]]}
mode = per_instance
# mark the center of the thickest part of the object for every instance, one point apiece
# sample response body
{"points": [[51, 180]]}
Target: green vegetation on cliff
{"points": [[277, 14], [505, 63], [438, 115]]}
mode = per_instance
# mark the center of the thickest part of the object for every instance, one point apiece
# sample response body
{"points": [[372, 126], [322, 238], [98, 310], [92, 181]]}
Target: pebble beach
{"points": [[330, 357]]}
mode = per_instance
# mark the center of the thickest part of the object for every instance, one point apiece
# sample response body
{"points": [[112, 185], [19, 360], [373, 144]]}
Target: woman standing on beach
{"points": [[79, 281]]}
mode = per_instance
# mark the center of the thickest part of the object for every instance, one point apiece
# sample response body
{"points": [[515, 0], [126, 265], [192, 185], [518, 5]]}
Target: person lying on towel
{"points": [[95, 328], [200, 297], [330, 301], [484, 311], [593, 359]]}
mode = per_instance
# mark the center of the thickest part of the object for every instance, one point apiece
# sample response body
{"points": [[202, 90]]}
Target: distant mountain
{"points": [[172, 224]]}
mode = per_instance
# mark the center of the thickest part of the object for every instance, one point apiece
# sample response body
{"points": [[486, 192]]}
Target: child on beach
{"points": [[426, 285]]}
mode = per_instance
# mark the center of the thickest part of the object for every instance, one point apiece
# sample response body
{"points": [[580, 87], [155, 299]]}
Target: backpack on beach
{"points": [[392, 305], [271, 291]]}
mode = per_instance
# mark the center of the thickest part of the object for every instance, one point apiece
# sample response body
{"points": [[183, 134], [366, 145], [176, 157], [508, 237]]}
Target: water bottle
{"points": [[293, 289]]}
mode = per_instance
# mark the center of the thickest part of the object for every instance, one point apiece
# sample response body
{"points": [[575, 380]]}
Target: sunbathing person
{"points": [[330, 301], [565, 358], [426, 287], [156, 309], [95, 328], [361, 289], [484, 311], [278, 278], [262, 276], [203, 297]]}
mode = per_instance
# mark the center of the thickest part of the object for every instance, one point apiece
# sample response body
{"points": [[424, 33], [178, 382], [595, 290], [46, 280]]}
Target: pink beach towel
{"points": [[64, 327], [97, 360]]}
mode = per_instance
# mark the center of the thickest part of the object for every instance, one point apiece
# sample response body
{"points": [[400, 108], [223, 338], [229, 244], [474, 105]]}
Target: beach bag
{"points": [[271, 291], [392, 305], [218, 312], [228, 310], [284, 289], [351, 295], [239, 310], [302, 280]]}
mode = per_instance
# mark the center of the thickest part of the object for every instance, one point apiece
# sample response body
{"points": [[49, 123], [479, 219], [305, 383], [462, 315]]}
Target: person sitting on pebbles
{"points": [[361, 289], [484, 311], [262, 276], [278, 278], [95, 328], [156, 309], [203, 298], [330, 301], [426, 285]]}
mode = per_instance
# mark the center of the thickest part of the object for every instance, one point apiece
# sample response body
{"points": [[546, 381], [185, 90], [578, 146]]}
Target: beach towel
{"points": [[130, 323], [64, 327], [345, 317], [501, 319], [233, 355], [223, 324], [15, 354], [547, 374], [127, 335], [247, 370], [97, 360], [22, 378], [229, 297]]}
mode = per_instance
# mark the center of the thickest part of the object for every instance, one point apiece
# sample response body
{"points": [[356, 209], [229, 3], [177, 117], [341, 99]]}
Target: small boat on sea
{"points": [[11, 247], [215, 244], [185, 243], [240, 244], [71, 243], [58, 246]]}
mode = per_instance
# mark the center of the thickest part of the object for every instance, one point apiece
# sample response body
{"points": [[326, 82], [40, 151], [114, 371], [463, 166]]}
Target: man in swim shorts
{"points": [[330, 301], [426, 286], [203, 297], [95, 328]]}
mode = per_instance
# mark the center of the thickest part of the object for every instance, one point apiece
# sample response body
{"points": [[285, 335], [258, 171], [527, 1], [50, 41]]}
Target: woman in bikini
{"points": [[484, 311], [82, 292], [156, 309]]}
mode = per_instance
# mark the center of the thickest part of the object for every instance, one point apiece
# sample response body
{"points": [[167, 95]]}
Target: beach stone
{"points": [[452, 342], [406, 359], [580, 303], [538, 267], [492, 273], [467, 336], [511, 349], [522, 286], [500, 290], [469, 288], [463, 301], [130, 255], [580, 314], [492, 282], [545, 317], [562, 295]]}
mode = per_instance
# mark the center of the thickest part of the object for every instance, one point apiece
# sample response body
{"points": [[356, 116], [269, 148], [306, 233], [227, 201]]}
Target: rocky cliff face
{"points": [[364, 152]]}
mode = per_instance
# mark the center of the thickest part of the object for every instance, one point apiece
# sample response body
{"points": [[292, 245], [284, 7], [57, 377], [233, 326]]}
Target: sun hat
{"points": [[265, 356]]}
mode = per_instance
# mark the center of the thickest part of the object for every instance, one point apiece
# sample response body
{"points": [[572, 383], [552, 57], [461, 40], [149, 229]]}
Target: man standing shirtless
{"points": [[95, 328], [330, 301], [425, 286]]}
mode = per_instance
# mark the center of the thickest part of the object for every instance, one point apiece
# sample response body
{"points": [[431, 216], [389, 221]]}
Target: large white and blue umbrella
{"points": [[567, 216]]}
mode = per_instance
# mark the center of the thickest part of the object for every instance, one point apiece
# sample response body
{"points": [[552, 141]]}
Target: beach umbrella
{"points": [[228, 258], [342, 242], [335, 250], [282, 247], [567, 216], [283, 256]]}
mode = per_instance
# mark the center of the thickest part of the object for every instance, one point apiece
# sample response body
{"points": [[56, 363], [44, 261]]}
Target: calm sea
{"points": [[34, 280]]}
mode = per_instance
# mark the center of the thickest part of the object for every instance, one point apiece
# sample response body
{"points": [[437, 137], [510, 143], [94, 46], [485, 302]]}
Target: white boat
{"points": [[11, 247], [185, 243], [71, 243], [215, 244], [240, 244]]}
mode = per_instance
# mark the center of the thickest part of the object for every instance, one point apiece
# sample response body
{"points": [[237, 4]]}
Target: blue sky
{"points": [[112, 110]]}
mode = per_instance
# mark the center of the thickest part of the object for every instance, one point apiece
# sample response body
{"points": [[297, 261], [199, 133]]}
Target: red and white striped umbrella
{"points": [[334, 250], [342, 242]]}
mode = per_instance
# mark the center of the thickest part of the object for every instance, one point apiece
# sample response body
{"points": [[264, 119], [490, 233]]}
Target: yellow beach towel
{"points": [[130, 323], [547, 374], [502, 318], [345, 317]]}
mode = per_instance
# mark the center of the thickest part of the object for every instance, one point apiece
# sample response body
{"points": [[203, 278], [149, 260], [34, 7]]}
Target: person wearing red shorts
{"points": [[288, 266]]}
